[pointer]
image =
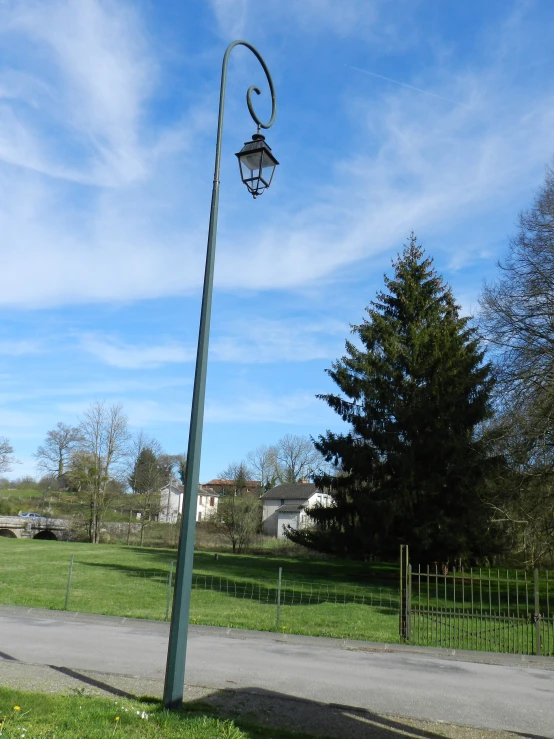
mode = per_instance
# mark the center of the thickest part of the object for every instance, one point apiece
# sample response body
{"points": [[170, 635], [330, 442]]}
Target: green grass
{"points": [[86, 717], [332, 598], [132, 582]]}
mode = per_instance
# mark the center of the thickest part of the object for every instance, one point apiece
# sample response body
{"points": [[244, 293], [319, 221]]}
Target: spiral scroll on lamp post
{"points": [[257, 166]]}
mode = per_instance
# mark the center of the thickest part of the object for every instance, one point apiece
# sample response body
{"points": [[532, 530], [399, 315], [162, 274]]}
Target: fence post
{"points": [[69, 582], [404, 628], [169, 584], [409, 603], [278, 617], [537, 615]]}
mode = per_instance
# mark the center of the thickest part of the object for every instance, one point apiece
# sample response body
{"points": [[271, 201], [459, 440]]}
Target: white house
{"points": [[206, 505], [286, 505], [171, 503]]}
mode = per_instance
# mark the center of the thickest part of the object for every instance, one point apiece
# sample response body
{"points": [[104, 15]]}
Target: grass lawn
{"points": [[236, 591], [332, 598], [34, 715]]}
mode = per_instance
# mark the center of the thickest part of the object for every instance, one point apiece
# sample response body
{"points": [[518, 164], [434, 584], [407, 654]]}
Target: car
{"points": [[29, 515]]}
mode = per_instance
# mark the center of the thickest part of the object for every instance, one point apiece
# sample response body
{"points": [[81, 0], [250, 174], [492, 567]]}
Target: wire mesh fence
{"points": [[340, 610], [483, 609], [294, 592]]}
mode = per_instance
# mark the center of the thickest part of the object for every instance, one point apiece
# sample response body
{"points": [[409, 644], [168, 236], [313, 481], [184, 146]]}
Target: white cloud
{"points": [[261, 407], [274, 341], [90, 73], [257, 340], [140, 231], [127, 356], [19, 348], [362, 18]]}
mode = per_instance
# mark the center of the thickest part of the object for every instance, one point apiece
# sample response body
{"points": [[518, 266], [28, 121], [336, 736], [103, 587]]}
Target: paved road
{"points": [[517, 697]]}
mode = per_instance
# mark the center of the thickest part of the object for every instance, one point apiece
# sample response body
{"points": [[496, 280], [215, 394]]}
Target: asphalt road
{"points": [[516, 697]]}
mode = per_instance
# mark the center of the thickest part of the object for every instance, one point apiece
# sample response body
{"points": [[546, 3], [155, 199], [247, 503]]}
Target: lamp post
{"points": [[257, 165]]}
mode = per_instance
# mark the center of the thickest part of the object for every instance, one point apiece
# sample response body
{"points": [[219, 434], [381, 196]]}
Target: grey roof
{"points": [[174, 488], [290, 508], [294, 491]]}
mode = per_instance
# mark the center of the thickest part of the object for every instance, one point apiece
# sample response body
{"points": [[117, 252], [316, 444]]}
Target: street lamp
{"points": [[257, 165]]}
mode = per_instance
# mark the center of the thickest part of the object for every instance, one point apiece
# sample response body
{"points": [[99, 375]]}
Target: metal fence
{"points": [[295, 592], [498, 610]]}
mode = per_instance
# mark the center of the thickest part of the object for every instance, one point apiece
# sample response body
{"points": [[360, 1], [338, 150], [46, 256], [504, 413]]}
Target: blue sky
{"points": [[392, 116]]}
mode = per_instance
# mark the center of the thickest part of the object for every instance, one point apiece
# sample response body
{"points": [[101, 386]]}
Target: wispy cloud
{"points": [[407, 86], [361, 18], [140, 232], [97, 76], [126, 356], [19, 348], [277, 341], [258, 406], [245, 342]]}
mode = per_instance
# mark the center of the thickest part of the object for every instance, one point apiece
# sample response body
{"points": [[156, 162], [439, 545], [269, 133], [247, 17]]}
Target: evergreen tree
{"points": [[414, 393], [147, 475]]}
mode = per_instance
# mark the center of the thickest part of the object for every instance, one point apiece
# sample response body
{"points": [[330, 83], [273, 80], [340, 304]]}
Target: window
{"points": [[200, 515], [212, 502], [282, 501]]}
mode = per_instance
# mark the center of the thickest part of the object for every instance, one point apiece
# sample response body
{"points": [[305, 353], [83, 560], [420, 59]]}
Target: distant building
{"points": [[221, 487], [286, 505], [171, 503]]}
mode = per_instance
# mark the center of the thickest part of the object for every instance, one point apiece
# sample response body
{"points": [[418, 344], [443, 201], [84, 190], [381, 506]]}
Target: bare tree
{"points": [[296, 459], [6, 454], [238, 515], [263, 461], [97, 467], [517, 320], [54, 455]]}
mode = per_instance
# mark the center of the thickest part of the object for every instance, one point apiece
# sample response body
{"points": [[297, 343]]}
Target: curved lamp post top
{"points": [[253, 88], [256, 162]]}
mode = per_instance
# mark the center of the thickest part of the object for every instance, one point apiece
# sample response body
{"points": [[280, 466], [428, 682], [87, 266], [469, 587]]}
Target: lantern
{"points": [[257, 164]]}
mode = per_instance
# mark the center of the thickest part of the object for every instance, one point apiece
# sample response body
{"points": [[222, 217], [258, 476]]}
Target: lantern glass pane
{"points": [[245, 172], [251, 160]]}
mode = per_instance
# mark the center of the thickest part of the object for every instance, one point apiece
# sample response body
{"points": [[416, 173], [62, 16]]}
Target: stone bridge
{"points": [[19, 527]]}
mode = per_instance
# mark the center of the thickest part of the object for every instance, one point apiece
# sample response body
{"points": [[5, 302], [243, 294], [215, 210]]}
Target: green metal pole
{"points": [[178, 632]]}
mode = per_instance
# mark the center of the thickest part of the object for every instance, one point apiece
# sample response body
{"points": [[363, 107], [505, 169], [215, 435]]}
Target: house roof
{"points": [[203, 490], [291, 491], [174, 488], [230, 483], [290, 508]]}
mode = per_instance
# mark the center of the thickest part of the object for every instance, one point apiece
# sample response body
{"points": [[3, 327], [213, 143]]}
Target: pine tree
{"points": [[414, 393], [147, 475]]}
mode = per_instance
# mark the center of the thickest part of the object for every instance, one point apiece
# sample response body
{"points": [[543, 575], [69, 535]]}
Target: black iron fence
{"points": [[497, 610]]}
